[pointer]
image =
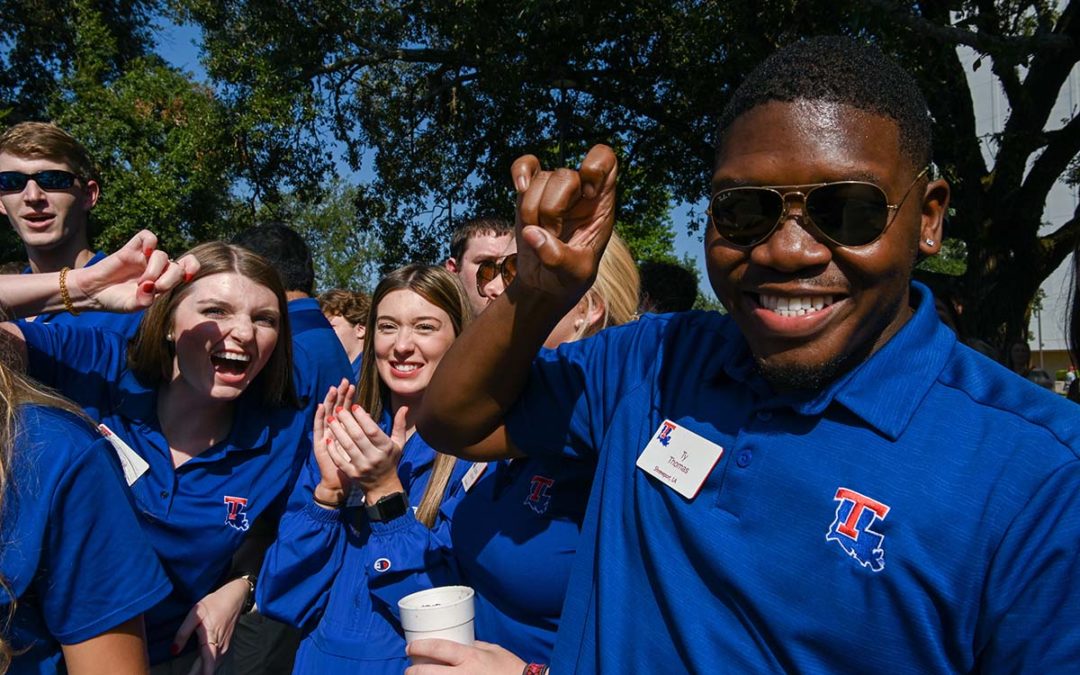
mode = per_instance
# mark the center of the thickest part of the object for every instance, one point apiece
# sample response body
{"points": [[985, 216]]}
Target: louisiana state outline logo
{"points": [[852, 528], [236, 513], [539, 498]]}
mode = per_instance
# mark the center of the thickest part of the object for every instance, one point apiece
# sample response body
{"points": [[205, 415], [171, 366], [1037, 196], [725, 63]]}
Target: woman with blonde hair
{"points": [[371, 480], [76, 571], [514, 533], [201, 412]]}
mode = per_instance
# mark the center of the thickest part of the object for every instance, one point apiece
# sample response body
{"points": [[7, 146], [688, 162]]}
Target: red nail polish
{"points": [[355, 407], [338, 409], [329, 420], [148, 287], [188, 276]]}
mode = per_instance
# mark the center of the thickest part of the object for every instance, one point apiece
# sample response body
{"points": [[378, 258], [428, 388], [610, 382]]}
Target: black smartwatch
{"points": [[387, 508]]}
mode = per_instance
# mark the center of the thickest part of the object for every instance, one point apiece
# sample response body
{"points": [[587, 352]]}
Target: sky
{"points": [[178, 44]]}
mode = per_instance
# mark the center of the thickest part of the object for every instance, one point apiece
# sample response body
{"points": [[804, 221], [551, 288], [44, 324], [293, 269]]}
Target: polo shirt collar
{"points": [[305, 315], [887, 389], [884, 391], [252, 421]]}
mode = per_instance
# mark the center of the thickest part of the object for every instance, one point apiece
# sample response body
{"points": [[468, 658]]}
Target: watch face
{"points": [[389, 507]]}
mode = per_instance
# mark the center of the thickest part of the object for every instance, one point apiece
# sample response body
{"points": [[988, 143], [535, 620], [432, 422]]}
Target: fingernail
{"points": [[520, 183], [174, 649], [148, 287], [329, 420], [147, 251], [355, 407], [588, 191], [339, 409], [328, 441], [188, 276]]}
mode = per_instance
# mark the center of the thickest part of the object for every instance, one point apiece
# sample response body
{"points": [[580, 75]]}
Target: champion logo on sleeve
{"points": [[852, 529], [236, 513]]}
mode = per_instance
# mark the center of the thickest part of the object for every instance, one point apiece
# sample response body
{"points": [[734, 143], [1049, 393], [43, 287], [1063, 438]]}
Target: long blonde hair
{"points": [[442, 289], [16, 390], [617, 288]]}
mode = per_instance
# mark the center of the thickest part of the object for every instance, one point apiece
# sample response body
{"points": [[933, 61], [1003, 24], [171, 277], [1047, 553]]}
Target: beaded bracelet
{"points": [[64, 295], [536, 669]]}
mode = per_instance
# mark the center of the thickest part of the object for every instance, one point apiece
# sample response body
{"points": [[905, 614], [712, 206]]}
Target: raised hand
{"points": [[132, 277], [564, 218]]}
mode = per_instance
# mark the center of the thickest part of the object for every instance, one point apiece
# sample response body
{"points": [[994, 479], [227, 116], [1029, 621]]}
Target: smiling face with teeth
{"points": [[810, 309], [224, 331], [411, 337]]}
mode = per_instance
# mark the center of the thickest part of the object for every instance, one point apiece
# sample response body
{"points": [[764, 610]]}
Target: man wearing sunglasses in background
{"points": [[48, 187], [479, 246], [824, 479]]}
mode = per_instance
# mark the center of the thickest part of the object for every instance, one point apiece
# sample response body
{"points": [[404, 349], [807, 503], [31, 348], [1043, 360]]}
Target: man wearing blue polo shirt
{"points": [[48, 186], [824, 479]]}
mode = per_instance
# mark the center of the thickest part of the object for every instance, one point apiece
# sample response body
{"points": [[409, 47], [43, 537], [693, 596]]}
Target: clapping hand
{"points": [[352, 450]]}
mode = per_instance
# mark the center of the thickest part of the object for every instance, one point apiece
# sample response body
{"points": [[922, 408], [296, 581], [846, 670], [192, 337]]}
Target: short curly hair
{"points": [[353, 306], [838, 70]]}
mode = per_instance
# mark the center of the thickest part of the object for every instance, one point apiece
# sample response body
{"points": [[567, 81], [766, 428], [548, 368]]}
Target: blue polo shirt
{"points": [[320, 360], [73, 553], [198, 514], [338, 576], [125, 324], [920, 514], [514, 537]]}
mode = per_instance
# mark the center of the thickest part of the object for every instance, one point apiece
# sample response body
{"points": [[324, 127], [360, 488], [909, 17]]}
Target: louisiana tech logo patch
{"points": [[665, 433], [539, 498], [236, 512], [852, 528]]}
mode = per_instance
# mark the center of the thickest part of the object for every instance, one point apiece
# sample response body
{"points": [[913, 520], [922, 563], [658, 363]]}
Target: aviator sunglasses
{"points": [[53, 179], [846, 213], [486, 271]]}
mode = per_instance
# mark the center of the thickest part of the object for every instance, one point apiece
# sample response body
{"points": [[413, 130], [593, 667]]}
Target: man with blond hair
{"points": [[48, 186]]}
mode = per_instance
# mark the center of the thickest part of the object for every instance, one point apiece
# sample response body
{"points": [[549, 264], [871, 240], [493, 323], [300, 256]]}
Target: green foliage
{"points": [[345, 255], [430, 102], [162, 142], [166, 161], [951, 260], [42, 43]]}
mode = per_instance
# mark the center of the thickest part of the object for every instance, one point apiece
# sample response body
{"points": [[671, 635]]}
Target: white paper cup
{"points": [[445, 613]]}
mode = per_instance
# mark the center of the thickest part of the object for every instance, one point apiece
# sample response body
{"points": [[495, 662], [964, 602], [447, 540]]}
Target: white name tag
{"points": [[134, 465], [679, 458], [473, 475]]}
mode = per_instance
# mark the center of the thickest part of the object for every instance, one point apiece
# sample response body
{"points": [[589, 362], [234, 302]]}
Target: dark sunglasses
{"points": [[846, 213], [486, 271], [53, 179]]}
